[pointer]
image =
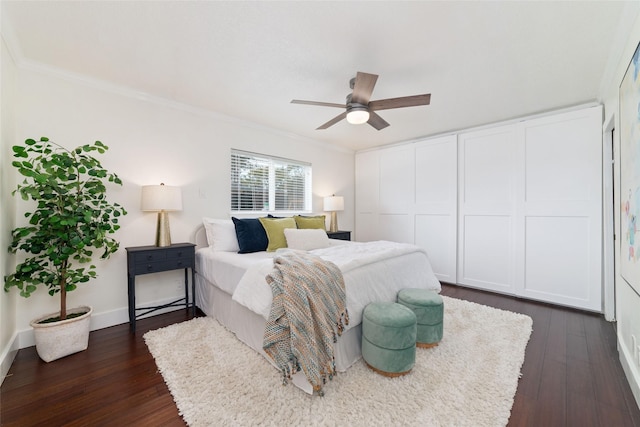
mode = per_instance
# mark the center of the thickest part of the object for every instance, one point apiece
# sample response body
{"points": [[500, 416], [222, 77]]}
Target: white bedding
{"points": [[373, 271], [225, 269]]}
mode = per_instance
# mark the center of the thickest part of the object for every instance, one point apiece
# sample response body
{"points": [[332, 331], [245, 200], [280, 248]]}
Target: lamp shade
{"points": [[333, 203], [161, 198]]}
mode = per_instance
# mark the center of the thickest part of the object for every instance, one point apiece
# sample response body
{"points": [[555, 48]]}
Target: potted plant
{"points": [[70, 220]]}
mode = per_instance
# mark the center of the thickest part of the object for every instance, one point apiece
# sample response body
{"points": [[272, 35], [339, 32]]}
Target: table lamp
{"points": [[333, 204], [162, 199]]}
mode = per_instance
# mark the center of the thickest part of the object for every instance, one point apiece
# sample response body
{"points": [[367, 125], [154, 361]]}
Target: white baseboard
{"points": [[631, 370], [7, 356], [25, 338]]}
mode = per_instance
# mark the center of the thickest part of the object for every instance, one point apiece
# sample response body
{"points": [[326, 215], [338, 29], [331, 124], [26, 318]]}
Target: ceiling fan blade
{"points": [[376, 121], [333, 121], [363, 87], [322, 104], [403, 101]]}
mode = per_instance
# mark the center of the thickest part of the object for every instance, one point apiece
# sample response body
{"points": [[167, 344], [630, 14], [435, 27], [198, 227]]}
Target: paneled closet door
{"points": [[436, 203], [367, 190], [561, 225], [385, 194], [487, 208], [409, 194], [396, 198]]}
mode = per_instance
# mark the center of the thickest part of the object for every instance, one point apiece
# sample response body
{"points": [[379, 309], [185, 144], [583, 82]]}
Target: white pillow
{"points": [[306, 239], [221, 234]]}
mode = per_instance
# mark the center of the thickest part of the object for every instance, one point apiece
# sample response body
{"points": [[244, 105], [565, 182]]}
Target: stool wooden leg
{"points": [[427, 344], [388, 374]]}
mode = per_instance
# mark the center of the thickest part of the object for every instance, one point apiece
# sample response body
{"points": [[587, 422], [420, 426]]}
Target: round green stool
{"points": [[429, 310], [389, 338]]}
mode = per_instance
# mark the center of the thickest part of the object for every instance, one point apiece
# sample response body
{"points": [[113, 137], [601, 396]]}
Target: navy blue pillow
{"points": [[251, 235]]}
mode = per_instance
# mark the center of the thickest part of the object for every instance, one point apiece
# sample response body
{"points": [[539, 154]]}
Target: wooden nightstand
{"points": [[153, 259], [339, 235]]}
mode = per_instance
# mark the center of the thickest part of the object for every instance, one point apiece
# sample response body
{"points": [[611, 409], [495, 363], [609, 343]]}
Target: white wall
{"points": [[152, 141], [7, 301], [627, 300]]}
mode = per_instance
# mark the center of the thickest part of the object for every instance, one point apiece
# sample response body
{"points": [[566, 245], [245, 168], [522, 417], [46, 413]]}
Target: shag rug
{"points": [[470, 379]]}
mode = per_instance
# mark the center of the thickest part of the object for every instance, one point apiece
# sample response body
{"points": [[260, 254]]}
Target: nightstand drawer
{"points": [[154, 267], [149, 256], [179, 253]]}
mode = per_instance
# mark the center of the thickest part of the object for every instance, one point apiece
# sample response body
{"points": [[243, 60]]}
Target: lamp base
{"points": [[163, 234], [333, 227]]}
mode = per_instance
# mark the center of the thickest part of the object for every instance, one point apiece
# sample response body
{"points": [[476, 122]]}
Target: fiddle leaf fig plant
{"points": [[70, 220]]}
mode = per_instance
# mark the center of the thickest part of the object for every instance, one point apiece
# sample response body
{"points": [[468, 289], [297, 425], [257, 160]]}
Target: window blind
{"points": [[261, 183]]}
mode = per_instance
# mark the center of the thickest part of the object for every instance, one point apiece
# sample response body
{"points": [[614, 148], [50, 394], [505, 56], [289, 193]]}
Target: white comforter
{"points": [[373, 271]]}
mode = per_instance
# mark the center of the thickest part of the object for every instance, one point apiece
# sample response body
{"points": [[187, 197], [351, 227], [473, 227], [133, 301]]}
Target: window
{"points": [[261, 183]]}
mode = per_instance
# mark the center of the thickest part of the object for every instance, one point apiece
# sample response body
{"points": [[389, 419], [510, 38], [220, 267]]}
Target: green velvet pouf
{"points": [[429, 310], [389, 338]]}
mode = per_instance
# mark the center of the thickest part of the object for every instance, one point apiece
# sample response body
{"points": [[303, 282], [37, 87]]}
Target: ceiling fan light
{"points": [[358, 116]]}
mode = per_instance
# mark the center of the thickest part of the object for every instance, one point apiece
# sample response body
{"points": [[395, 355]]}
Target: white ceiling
{"points": [[481, 61]]}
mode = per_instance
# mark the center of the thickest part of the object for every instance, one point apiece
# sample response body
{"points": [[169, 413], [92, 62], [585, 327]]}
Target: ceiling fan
{"points": [[358, 108]]}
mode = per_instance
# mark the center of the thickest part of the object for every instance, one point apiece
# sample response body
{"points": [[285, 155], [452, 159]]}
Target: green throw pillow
{"points": [[310, 221], [275, 231]]}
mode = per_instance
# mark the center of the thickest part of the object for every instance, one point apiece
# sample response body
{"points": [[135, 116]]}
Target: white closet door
{"points": [[408, 194], [486, 234], [436, 203], [561, 225], [367, 170], [395, 222]]}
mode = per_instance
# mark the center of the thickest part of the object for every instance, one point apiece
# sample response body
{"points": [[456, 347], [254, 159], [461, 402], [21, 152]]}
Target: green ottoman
{"points": [[429, 310], [389, 338]]}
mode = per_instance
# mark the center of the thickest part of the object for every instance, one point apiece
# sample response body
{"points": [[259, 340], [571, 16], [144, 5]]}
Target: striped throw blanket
{"points": [[308, 312]]}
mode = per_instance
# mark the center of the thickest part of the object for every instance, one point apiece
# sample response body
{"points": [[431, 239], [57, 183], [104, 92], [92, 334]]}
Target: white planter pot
{"points": [[59, 339]]}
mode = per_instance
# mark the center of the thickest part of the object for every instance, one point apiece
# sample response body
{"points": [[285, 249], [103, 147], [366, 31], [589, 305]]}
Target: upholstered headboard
{"points": [[200, 237]]}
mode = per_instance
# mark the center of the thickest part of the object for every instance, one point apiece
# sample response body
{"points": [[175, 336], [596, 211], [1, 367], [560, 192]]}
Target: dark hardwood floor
{"points": [[571, 375]]}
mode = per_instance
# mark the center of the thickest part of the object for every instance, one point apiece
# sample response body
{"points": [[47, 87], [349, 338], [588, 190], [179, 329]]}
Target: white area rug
{"points": [[470, 379]]}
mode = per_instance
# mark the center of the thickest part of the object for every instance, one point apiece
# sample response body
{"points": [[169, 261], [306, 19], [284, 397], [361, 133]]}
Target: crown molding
{"points": [[23, 63], [505, 122], [128, 92]]}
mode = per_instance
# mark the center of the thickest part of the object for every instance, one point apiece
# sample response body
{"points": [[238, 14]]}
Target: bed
{"points": [[231, 287]]}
